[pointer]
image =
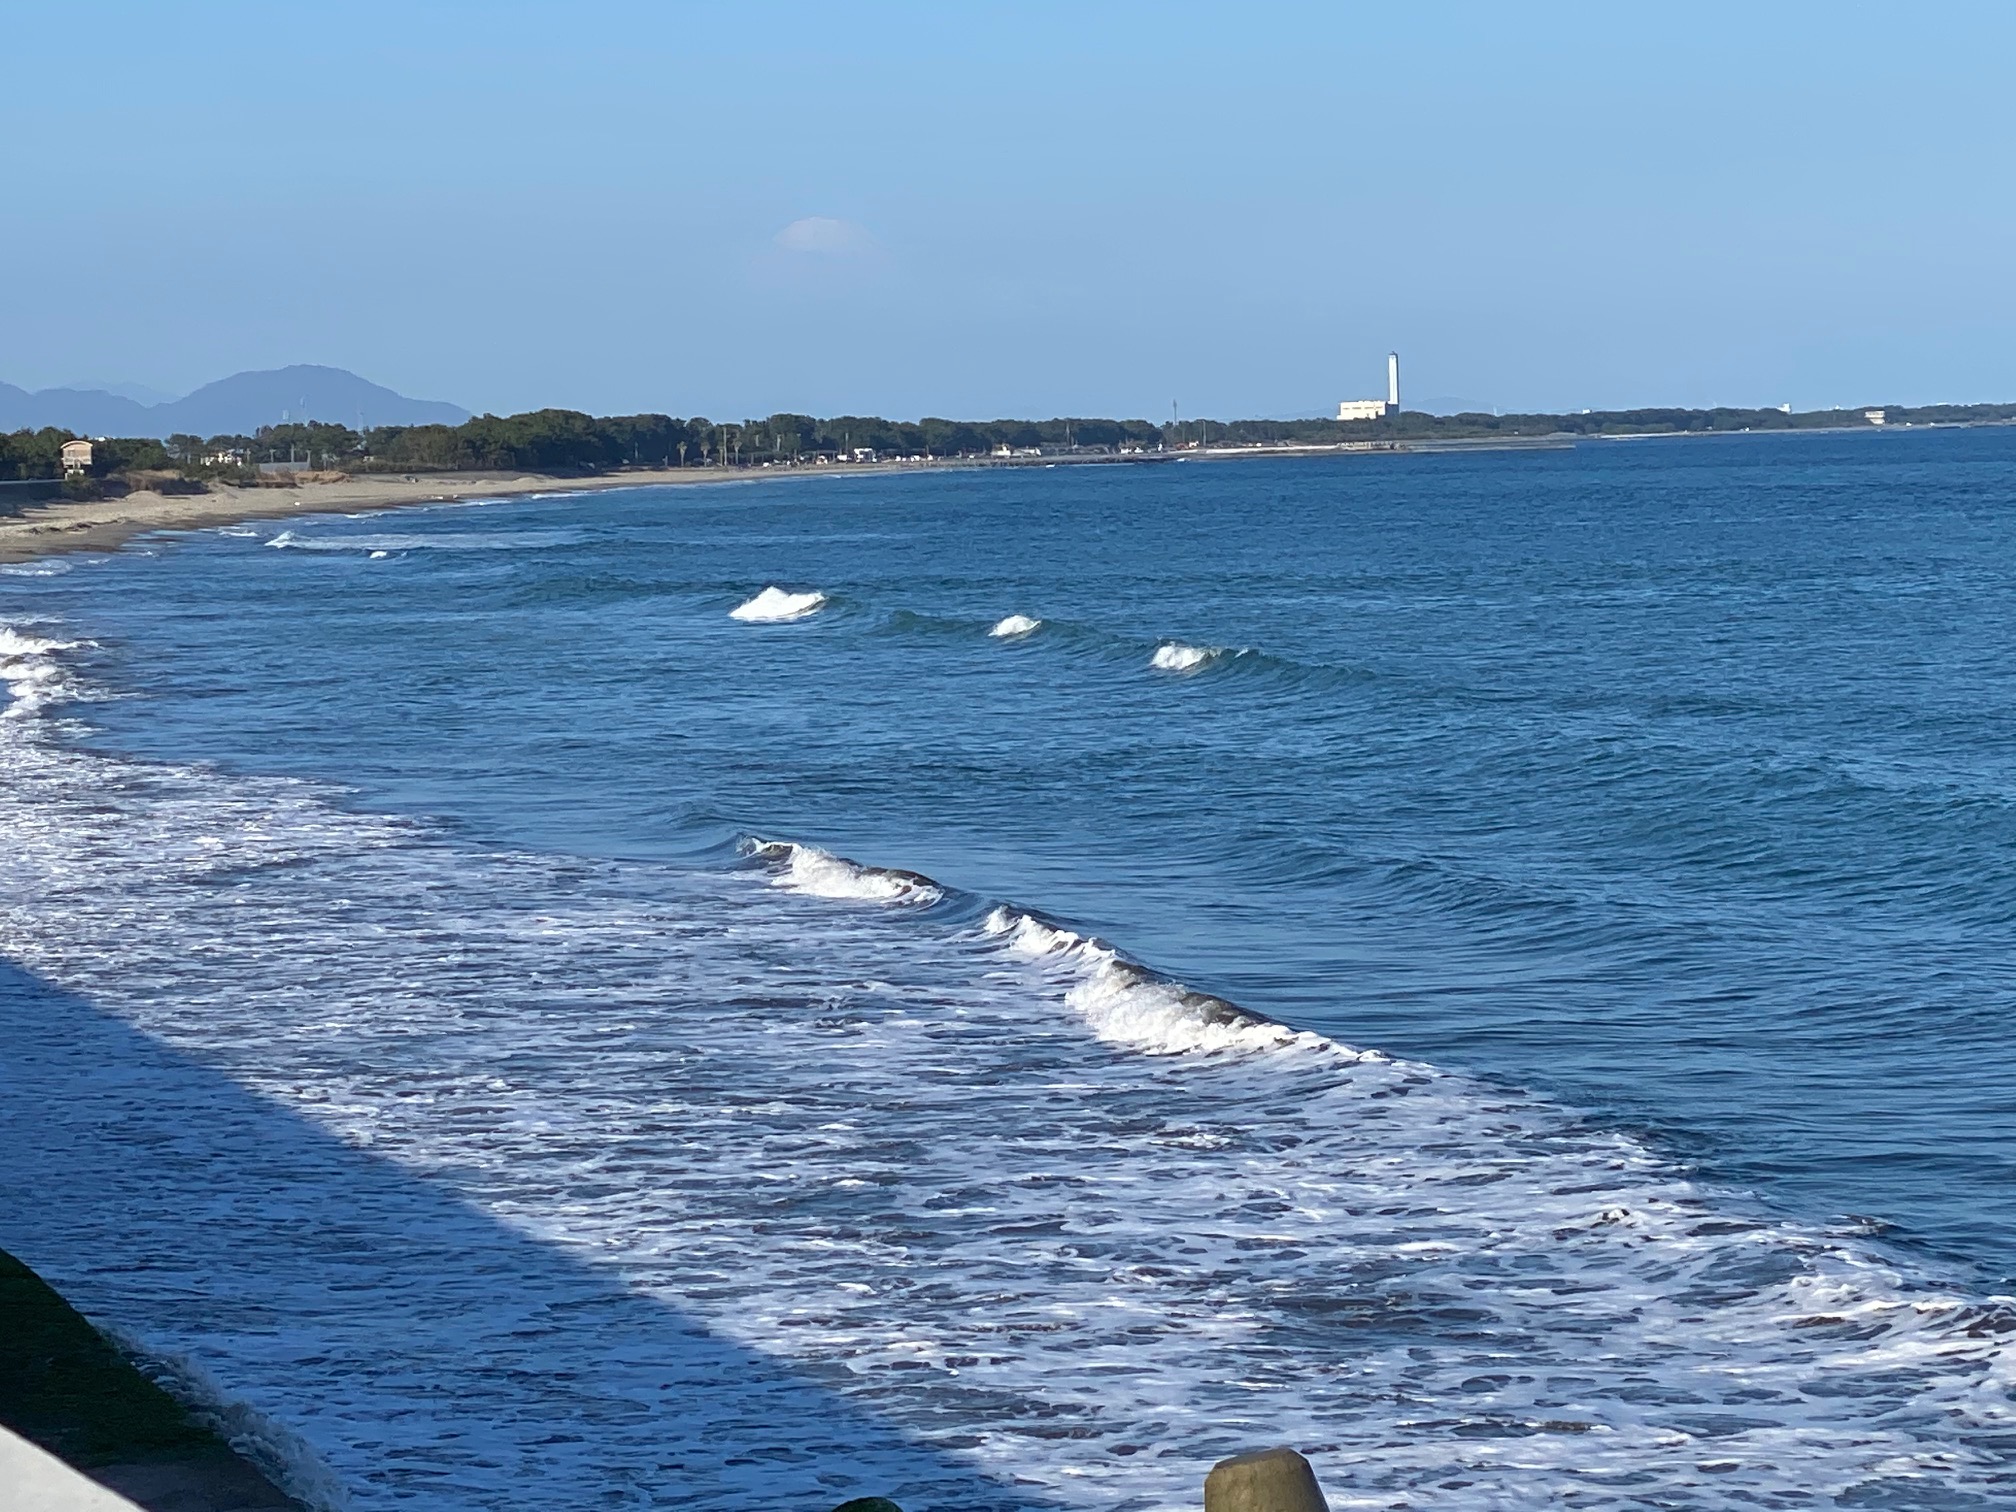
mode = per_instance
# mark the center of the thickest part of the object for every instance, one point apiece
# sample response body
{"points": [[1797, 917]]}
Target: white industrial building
{"points": [[1376, 409]]}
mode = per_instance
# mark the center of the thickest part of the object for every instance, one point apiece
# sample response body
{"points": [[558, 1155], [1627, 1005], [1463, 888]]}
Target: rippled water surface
{"points": [[1495, 969]]}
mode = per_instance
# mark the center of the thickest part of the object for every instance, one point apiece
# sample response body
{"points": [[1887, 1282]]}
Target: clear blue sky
{"points": [[974, 210]]}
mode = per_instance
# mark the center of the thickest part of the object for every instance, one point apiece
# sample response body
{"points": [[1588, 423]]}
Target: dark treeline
{"points": [[115, 464], [39, 454], [566, 442]]}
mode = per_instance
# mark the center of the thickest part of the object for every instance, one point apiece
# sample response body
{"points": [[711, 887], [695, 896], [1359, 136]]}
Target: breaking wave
{"points": [[1120, 1000], [373, 545], [1064, 1222], [821, 874], [1092, 643], [774, 605], [1175, 656], [1126, 1003], [1072, 1225], [34, 677]]}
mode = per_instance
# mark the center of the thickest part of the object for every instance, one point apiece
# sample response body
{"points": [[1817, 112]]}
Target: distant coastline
{"points": [[569, 443], [34, 528]]}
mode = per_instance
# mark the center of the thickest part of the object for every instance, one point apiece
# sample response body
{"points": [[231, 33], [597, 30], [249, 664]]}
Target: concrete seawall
{"points": [[34, 1480]]}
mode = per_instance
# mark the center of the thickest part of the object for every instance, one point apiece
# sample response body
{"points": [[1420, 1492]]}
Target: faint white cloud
{"points": [[822, 236]]}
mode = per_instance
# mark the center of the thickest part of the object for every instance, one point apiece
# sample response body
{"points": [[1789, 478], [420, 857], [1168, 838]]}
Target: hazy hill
{"points": [[92, 412], [237, 405]]}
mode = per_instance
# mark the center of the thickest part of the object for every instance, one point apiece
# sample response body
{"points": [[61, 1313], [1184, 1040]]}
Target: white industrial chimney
{"points": [[1393, 382]]}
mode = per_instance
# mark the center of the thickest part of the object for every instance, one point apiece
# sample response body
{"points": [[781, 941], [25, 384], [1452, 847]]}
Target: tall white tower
{"points": [[1376, 409]]}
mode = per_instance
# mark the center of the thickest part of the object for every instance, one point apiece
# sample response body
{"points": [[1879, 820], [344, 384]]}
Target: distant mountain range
{"points": [[237, 405]]}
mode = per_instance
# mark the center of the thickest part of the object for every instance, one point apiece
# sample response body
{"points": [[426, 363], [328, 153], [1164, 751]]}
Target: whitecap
{"points": [[1127, 1004], [1175, 656], [774, 605], [821, 874], [759, 1118], [33, 678], [502, 540], [1016, 625], [13, 643]]}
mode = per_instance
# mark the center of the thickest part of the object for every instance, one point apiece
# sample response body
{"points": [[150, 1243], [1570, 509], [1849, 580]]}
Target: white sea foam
{"points": [[502, 1175], [1016, 625], [500, 540], [15, 643], [48, 569], [34, 675], [774, 605], [821, 874], [1175, 656], [1127, 1004]]}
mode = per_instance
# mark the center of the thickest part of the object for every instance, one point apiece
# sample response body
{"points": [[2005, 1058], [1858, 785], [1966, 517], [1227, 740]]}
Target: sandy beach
{"points": [[104, 524]]}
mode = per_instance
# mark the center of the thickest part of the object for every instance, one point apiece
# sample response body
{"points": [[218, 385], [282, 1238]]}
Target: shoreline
{"points": [[106, 524], [63, 526], [870, 496]]}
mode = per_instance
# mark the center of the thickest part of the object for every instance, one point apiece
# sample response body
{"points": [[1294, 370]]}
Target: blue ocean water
{"points": [[1493, 967]]}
